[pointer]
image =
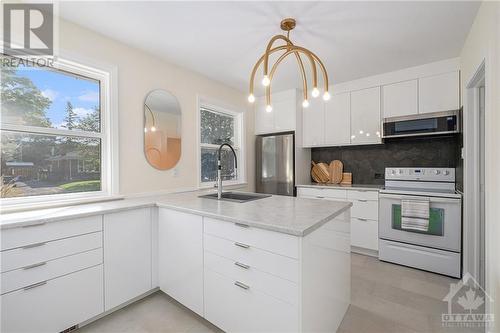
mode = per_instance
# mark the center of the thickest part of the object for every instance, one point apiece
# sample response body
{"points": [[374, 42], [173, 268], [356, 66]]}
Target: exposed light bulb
{"points": [[378, 134], [315, 92], [266, 81], [251, 98], [305, 103], [153, 129], [367, 134], [326, 96], [353, 136], [269, 108], [361, 132]]}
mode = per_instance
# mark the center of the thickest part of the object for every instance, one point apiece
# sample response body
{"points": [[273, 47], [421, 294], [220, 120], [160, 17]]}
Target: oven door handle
{"points": [[415, 197]]}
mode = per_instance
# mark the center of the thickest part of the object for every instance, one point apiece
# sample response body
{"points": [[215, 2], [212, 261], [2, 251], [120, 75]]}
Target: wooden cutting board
{"points": [[346, 178], [335, 170], [319, 172]]}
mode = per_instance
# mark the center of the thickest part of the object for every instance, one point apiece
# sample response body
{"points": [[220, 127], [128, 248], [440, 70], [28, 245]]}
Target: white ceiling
{"points": [[222, 40]]}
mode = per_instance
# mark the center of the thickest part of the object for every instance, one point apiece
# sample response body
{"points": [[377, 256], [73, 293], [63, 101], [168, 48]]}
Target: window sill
{"points": [[44, 204]]}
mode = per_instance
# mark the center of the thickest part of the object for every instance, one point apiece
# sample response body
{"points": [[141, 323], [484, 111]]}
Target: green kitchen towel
{"points": [[436, 220]]}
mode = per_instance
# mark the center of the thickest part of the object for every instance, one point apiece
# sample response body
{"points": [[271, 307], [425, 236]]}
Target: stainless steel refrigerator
{"points": [[275, 164]]}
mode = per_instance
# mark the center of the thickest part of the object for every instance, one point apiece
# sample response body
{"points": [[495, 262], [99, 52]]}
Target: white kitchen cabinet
{"points": [[313, 123], [439, 92], [127, 255], [180, 241], [364, 233], [365, 116], [337, 126], [400, 99], [282, 118]]}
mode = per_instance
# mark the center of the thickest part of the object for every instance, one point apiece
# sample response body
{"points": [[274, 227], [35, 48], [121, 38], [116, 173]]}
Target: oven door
{"points": [[445, 225]]}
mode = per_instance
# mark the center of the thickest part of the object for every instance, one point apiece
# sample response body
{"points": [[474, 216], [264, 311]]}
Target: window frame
{"points": [[106, 75], [220, 107]]}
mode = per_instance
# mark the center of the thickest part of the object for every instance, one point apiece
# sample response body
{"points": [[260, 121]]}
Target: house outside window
{"points": [[218, 125], [54, 140]]}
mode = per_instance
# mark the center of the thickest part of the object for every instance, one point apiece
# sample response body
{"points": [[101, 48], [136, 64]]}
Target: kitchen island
{"points": [[278, 264]]}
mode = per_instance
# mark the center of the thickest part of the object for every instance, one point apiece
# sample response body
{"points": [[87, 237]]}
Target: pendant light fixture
{"points": [[288, 49]]}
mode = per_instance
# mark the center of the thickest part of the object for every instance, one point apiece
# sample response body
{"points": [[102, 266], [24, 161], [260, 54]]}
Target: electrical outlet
{"points": [[379, 175], [176, 172]]}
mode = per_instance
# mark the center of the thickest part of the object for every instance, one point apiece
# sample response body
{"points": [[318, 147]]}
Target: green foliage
{"points": [[82, 186], [71, 119]]}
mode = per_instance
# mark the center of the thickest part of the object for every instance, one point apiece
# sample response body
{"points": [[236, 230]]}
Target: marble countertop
{"points": [[364, 187], [294, 216]]}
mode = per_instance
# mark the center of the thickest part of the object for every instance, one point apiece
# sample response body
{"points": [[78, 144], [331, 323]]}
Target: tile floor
{"points": [[386, 298]]}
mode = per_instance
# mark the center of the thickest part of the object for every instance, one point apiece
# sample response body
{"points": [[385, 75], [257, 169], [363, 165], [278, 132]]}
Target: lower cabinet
{"points": [[127, 256], [180, 244], [54, 305]]}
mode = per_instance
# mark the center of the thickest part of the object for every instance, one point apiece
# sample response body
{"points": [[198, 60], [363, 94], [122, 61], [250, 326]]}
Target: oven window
{"points": [[436, 221]]}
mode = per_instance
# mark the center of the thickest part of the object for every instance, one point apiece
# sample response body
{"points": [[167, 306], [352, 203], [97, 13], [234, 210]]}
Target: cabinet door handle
{"points": [[245, 246], [320, 197], [239, 264], [35, 265], [362, 200], [39, 284], [33, 245], [241, 225], [242, 285], [361, 219]]}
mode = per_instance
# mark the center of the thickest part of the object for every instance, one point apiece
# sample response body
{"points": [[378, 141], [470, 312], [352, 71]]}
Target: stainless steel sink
{"points": [[236, 196]]}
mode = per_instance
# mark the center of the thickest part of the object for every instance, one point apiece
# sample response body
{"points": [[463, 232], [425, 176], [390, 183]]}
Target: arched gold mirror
{"points": [[162, 129]]}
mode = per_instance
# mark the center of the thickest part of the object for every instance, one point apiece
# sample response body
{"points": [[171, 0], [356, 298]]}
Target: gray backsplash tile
{"points": [[367, 163]]}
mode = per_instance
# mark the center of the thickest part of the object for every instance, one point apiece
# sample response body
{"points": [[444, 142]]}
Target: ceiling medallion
{"points": [[289, 48]]}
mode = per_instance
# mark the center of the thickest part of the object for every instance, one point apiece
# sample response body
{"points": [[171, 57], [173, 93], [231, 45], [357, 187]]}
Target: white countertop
{"points": [[294, 216], [363, 187]]}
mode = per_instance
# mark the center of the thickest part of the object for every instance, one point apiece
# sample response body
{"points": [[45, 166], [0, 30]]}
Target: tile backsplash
{"points": [[367, 163]]}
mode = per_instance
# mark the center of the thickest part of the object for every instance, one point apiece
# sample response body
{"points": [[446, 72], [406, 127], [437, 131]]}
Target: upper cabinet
{"points": [[282, 118], [365, 116], [337, 125], [400, 99], [313, 119], [439, 93]]}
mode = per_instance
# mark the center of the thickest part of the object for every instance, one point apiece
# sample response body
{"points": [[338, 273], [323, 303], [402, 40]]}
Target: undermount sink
{"points": [[236, 196]]}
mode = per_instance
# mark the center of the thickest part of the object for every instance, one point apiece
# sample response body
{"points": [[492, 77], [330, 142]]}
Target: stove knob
{"points": [[446, 172], [437, 172], [393, 172]]}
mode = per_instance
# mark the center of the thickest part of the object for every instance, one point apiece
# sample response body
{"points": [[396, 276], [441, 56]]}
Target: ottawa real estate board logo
{"points": [[467, 302], [28, 29]]}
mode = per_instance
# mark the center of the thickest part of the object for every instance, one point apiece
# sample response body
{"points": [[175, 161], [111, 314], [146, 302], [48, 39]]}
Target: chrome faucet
{"points": [[219, 168]]}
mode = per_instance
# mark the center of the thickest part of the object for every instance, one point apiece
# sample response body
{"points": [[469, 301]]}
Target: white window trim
{"points": [[216, 105], [107, 75]]}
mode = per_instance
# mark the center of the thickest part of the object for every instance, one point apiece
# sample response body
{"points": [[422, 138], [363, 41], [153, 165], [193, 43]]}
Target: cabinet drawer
{"points": [[56, 305], [32, 254], [322, 193], [362, 195], [44, 271], [281, 266], [271, 241], [282, 289], [22, 236], [364, 209], [235, 309], [364, 233]]}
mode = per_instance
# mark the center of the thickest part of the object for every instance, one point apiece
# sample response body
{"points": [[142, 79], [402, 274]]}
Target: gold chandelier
{"points": [[289, 48]]}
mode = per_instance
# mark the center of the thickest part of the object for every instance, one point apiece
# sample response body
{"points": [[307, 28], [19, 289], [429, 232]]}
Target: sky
{"points": [[61, 87]]}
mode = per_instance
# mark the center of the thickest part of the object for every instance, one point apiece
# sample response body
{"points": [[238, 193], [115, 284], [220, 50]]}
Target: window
{"points": [[54, 142], [218, 126]]}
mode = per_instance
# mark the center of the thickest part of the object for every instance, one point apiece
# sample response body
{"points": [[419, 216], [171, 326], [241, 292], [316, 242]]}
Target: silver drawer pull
{"points": [[39, 284], [241, 225], [239, 264], [362, 200], [245, 246], [33, 225], [242, 285], [35, 265], [320, 197], [33, 245], [359, 218]]}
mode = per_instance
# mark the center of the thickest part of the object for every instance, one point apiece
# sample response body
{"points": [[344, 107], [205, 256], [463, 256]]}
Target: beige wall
{"points": [[483, 42], [138, 74]]}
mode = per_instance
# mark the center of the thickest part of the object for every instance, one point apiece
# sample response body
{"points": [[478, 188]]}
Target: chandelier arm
{"points": [[257, 64], [323, 70], [268, 48]]}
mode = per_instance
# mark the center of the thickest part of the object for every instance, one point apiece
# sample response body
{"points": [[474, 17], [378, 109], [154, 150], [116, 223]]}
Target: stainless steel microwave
{"points": [[422, 124]]}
